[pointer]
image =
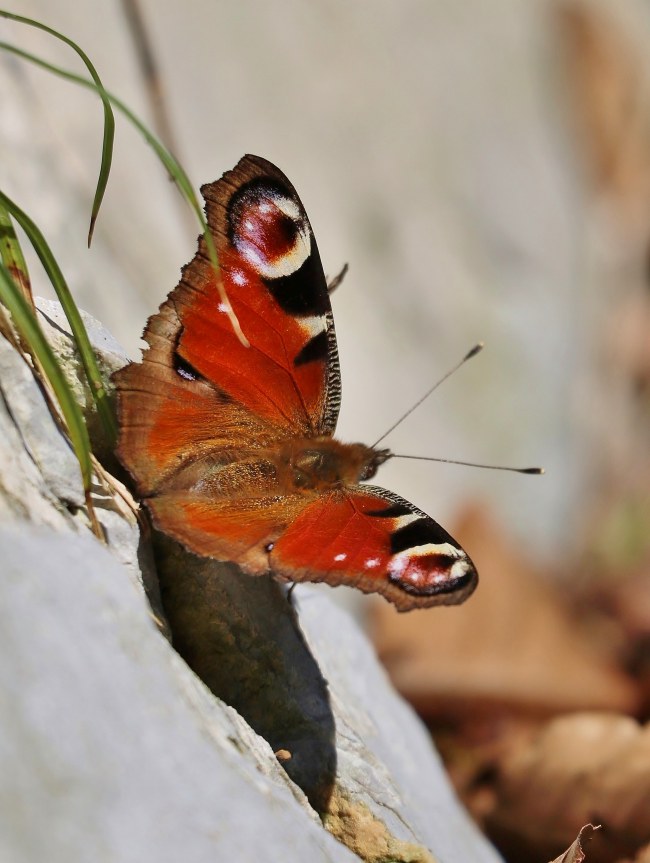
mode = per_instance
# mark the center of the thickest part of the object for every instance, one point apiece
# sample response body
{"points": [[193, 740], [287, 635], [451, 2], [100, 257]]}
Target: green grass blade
{"points": [[171, 164], [109, 119], [27, 325], [12, 256], [59, 283]]}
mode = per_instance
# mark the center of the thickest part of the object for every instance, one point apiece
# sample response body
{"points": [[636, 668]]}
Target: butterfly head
{"points": [[323, 463], [376, 457]]}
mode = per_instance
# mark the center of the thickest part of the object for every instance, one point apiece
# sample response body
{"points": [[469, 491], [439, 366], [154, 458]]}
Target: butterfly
{"points": [[231, 447]]}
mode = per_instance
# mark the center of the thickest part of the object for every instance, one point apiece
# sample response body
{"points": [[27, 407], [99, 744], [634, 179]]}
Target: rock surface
{"points": [[110, 742]]}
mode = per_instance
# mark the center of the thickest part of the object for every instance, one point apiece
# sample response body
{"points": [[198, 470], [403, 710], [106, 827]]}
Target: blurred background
{"points": [[485, 170], [436, 148]]}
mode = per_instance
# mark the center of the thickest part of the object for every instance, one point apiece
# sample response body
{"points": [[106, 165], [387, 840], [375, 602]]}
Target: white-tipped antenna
{"points": [[468, 356], [529, 470]]}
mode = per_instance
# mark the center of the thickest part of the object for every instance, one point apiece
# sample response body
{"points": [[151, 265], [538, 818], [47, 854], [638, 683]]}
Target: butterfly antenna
{"points": [[536, 471], [468, 356]]}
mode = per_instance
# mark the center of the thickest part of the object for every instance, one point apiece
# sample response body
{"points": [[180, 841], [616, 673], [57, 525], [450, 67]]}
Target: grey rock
{"points": [[39, 474], [40, 480], [110, 745], [111, 749], [385, 755], [306, 679]]}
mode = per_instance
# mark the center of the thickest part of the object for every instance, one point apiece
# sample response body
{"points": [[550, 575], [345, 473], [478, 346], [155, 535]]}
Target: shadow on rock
{"points": [[241, 637]]}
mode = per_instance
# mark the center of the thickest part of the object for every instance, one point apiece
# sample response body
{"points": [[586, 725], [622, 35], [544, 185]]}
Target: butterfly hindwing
{"points": [[362, 536], [374, 540], [233, 513]]}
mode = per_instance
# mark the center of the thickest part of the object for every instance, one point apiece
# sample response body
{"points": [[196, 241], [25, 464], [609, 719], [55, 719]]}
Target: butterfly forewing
{"points": [[274, 279], [198, 388]]}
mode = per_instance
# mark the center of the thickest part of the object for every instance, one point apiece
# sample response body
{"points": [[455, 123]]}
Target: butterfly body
{"points": [[231, 447]]}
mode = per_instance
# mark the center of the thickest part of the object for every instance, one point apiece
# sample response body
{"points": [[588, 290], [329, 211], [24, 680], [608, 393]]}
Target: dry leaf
{"points": [[575, 853], [579, 768]]}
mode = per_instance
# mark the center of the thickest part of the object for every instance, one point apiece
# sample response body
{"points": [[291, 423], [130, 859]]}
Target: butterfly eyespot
{"points": [[269, 230], [268, 548], [433, 570]]}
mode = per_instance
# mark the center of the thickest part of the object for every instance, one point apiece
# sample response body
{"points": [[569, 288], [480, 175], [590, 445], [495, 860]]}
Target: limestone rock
{"points": [[112, 748]]}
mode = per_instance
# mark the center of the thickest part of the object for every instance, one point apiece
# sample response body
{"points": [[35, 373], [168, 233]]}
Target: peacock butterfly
{"points": [[231, 446]]}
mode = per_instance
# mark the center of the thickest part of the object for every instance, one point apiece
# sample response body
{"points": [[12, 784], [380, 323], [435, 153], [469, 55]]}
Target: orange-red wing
{"points": [[198, 389], [229, 512], [274, 279], [368, 538], [168, 421], [364, 537], [240, 531]]}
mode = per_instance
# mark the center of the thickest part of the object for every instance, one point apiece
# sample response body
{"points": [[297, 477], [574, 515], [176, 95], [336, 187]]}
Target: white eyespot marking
{"points": [[400, 561], [185, 374], [402, 520], [313, 325], [371, 563], [417, 570], [289, 207], [238, 277], [270, 231], [222, 307], [340, 557]]}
